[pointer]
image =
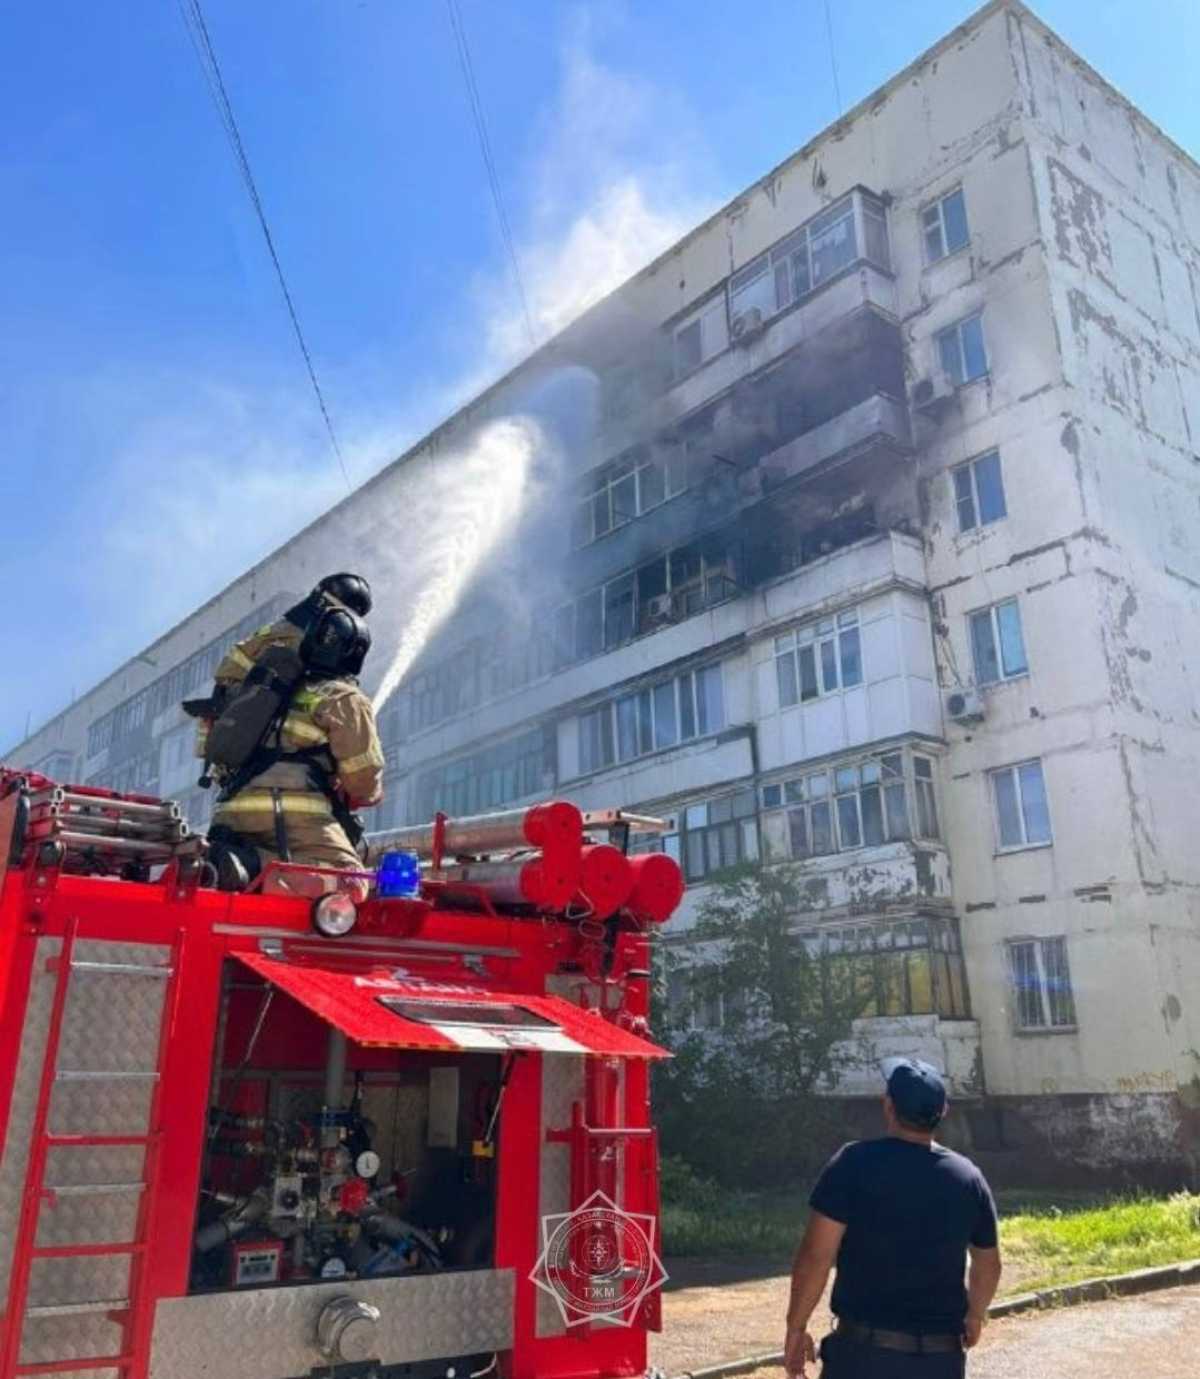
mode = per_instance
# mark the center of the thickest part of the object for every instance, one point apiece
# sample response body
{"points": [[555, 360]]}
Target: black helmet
{"points": [[336, 644], [352, 590]]}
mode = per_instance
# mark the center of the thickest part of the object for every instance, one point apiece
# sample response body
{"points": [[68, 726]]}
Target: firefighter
{"points": [[293, 797]]}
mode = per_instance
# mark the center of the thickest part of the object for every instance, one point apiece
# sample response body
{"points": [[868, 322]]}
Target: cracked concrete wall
{"points": [[1102, 550]]}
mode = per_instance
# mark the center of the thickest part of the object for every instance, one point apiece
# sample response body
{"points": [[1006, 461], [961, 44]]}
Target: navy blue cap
{"points": [[917, 1091]]}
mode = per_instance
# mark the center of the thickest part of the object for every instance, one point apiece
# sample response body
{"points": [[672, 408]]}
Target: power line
{"points": [[489, 162], [837, 90], [194, 22]]}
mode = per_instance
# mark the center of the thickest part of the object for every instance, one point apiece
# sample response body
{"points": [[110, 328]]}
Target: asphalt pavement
{"points": [[1155, 1336]]}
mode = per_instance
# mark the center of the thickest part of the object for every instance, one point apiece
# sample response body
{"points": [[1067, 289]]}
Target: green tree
{"points": [[748, 1102]]}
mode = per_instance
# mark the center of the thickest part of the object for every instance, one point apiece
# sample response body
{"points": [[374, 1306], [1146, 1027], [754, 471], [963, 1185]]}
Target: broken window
{"points": [[616, 493], [818, 658], [997, 643], [1041, 982], [1022, 809], [944, 226], [979, 492], [961, 351]]}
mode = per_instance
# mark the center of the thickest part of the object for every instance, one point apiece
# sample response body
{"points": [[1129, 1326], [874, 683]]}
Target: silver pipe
{"points": [[169, 830], [99, 842], [335, 1084], [165, 808], [479, 833]]}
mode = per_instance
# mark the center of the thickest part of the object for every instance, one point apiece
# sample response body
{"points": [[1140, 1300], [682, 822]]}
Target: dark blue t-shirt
{"points": [[910, 1211]]}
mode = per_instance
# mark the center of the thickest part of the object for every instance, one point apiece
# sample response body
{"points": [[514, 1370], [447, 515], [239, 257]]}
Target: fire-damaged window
{"points": [[626, 488], [1022, 809], [862, 803], [1041, 978], [905, 967], [944, 226], [818, 658], [852, 230], [961, 350], [674, 585], [513, 770], [979, 492], [997, 644], [646, 720]]}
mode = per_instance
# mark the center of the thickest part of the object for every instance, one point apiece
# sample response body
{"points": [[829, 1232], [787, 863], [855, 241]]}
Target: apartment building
{"points": [[879, 554]]}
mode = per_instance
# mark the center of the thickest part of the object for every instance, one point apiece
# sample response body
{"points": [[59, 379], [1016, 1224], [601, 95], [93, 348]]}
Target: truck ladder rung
{"points": [[94, 1189], [106, 1247], [121, 969], [70, 1366], [98, 1141], [77, 1309], [80, 1075]]}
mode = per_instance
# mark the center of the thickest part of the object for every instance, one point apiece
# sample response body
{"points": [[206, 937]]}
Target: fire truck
{"points": [[355, 1125]]}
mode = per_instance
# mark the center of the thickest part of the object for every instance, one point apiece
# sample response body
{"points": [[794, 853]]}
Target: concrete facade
{"points": [[988, 268]]}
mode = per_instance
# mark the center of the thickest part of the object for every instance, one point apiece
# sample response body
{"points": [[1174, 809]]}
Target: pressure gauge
{"points": [[367, 1164]]}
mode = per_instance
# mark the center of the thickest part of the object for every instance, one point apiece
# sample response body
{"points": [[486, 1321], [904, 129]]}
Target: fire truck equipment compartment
{"points": [[379, 1011]]}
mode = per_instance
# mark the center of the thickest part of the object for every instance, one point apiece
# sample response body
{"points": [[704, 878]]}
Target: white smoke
{"points": [[457, 517]]}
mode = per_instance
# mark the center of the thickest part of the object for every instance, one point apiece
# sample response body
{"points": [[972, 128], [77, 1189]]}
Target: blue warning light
{"points": [[398, 876]]}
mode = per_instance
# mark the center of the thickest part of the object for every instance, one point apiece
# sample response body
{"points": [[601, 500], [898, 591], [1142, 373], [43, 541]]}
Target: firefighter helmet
{"points": [[336, 643], [352, 590]]}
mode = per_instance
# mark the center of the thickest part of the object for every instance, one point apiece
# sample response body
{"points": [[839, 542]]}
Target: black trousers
{"points": [[845, 1359]]}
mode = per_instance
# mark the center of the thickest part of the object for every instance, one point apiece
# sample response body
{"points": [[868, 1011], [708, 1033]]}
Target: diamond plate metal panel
{"points": [[88, 1336], [562, 1085], [103, 1218], [23, 1107], [137, 954], [270, 1333], [86, 1278], [87, 1164], [112, 1022], [102, 1106]]}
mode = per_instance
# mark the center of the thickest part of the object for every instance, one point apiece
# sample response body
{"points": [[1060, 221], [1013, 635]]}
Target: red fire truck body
{"points": [[237, 1146]]}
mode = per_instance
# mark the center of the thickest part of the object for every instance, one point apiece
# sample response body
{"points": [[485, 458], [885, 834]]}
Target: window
{"points": [[719, 833], [907, 967], [677, 710], [1022, 810], [997, 645], [944, 226], [818, 251], [960, 349], [616, 493], [700, 337], [979, 492], [511, 770], [855, 804], [818, 658], [1041, 984]]}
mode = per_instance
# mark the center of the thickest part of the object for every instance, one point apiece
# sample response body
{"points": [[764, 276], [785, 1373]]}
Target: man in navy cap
{"points": [[899, 1215]]}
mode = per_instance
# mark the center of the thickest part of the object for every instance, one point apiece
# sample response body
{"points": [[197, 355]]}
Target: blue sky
{"points": [[157, 434]]}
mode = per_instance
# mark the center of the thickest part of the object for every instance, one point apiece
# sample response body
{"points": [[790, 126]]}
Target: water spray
{"points": [[477, 499]]}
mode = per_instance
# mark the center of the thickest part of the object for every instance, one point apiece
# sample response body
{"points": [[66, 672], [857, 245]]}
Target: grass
{"points": [[1047, 1238]]}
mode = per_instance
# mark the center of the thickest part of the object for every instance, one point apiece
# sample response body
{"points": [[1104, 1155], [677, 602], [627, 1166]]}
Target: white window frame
{"points": [[601, 484], [711, 318], [686, 701], [938, 208], [959, 377], [992, 613], [1014, 770], [813, 637], [970, 468], [1047, 960], [820, 789]]}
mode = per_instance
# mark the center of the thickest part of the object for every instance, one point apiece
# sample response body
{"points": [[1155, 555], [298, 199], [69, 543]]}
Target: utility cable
{"points": [[194, 22], [489, 162], [837, 90]]}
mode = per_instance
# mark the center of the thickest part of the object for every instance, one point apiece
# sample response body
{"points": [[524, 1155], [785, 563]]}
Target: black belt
{"points": [[910, 1342]]}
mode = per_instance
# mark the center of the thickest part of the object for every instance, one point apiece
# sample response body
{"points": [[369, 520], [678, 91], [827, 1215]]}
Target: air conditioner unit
{"points": [[661, 609], [965, 706], [931, 396], [746, 325]]}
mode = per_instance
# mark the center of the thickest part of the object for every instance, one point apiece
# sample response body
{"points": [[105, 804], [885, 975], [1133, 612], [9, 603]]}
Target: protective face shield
{"points": [[336, 644]]}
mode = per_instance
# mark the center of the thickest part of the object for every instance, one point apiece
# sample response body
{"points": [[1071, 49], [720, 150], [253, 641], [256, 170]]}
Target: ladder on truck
{"points": [[78, 1298]]}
